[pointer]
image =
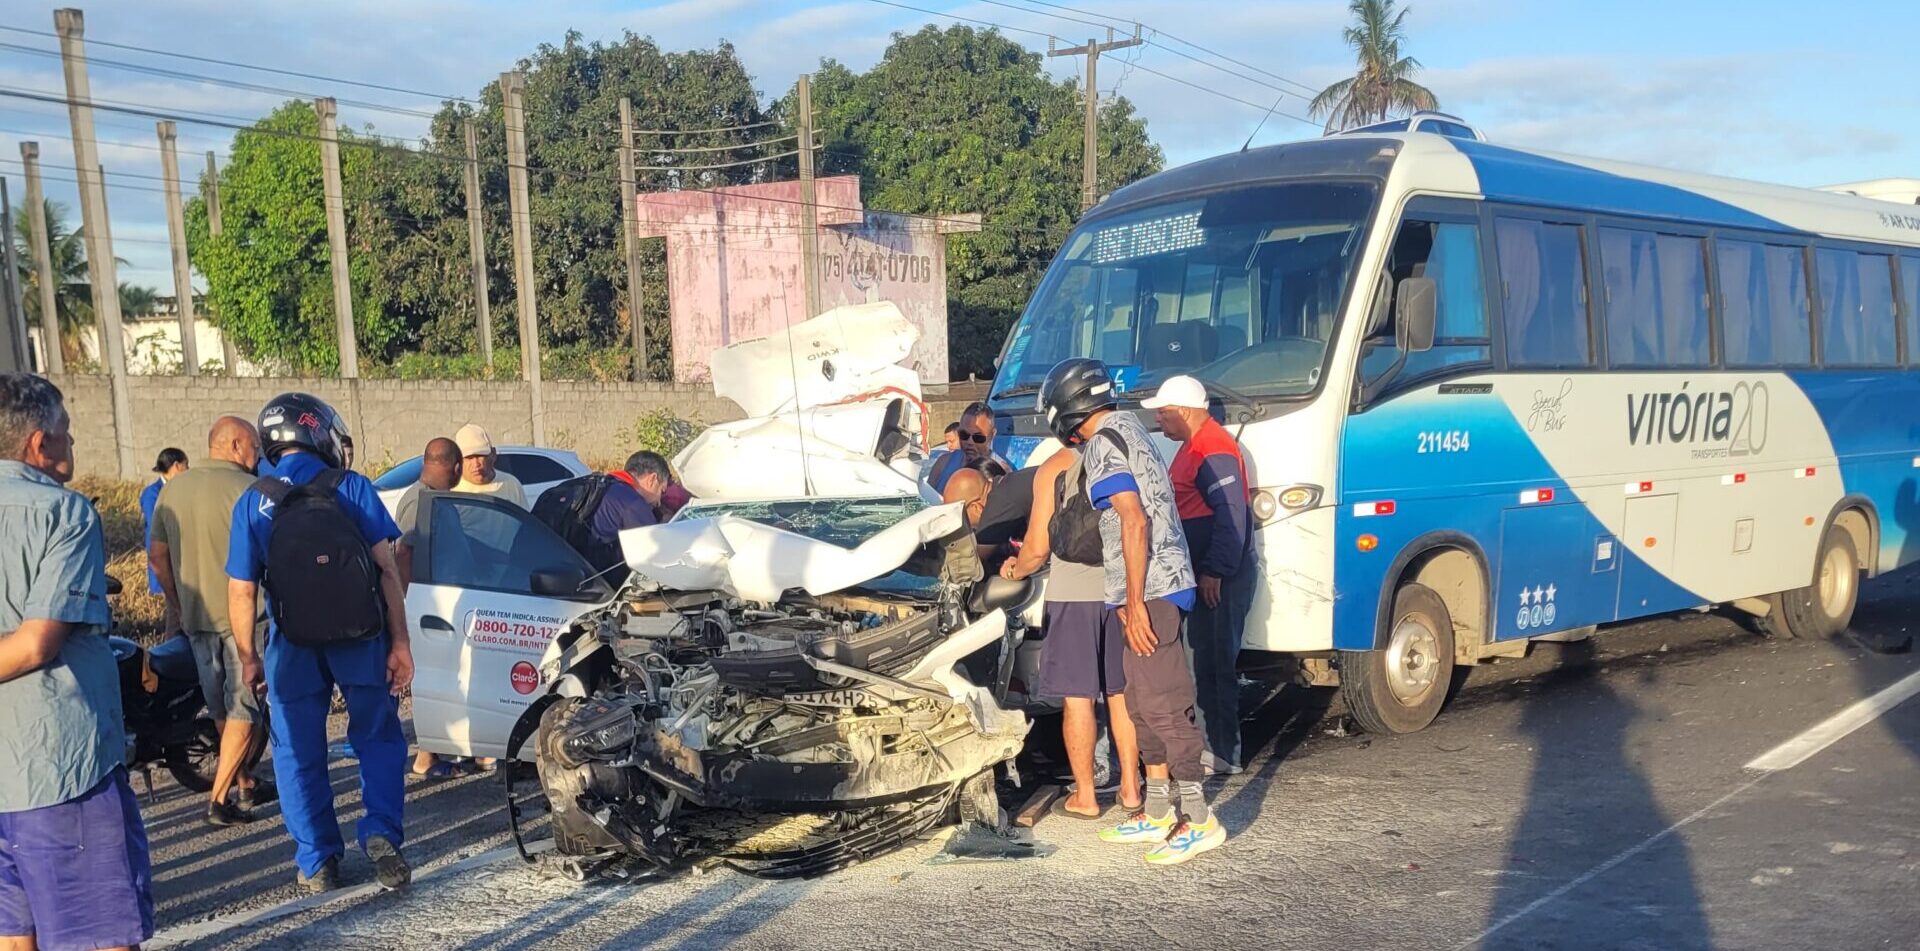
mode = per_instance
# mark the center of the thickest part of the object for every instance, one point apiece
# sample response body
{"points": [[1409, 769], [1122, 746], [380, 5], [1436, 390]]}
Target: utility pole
{"points": [[337, 236], [14, 357], [809, 214], [477, 246], [52, 359], [177, 237], [1090, 144], [630, 228], [513, 98], [229, 357], [71, 26]]}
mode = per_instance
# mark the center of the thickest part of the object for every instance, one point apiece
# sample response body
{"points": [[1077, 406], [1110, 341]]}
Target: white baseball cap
{"points": [[473, 441], [1183, 391]]}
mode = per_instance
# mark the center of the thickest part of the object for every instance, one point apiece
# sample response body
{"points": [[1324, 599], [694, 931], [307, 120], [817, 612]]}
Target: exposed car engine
{"points": [[786, 738]]}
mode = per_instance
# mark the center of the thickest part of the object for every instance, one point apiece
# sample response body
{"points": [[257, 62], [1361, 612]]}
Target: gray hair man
{"points": [[65, 787]]}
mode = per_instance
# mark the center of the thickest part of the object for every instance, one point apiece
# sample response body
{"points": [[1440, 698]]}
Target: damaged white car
{"points": [[804, 670]]}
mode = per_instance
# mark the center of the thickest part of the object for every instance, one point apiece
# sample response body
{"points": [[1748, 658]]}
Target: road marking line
{"points": [[1799, 749], [1607, 866], [198, 930]]}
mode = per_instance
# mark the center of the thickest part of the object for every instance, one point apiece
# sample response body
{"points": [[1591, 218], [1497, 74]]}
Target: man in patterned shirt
{"points": [[1149, 589]]}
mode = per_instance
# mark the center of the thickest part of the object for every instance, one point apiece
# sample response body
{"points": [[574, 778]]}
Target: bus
{"points": [[1489, 395]]}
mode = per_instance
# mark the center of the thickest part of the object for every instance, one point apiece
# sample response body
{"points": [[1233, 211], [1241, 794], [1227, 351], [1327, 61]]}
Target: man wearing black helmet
{"points": [[1149, 589], [338, 619]]}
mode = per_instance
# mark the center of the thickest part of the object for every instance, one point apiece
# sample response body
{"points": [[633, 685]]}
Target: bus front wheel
{"points": [[1400, 688], [1825, 607]]}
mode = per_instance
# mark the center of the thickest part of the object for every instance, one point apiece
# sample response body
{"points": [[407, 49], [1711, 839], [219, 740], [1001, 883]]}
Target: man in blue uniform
{"points": [[303, 438]]}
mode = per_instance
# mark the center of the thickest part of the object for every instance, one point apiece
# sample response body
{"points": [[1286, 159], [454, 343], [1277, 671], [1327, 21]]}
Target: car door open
{"points": [[492, 586]]}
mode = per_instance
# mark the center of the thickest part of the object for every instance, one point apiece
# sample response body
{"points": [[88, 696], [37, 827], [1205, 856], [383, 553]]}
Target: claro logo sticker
{"points": [[1715, 423], [524, 678]]}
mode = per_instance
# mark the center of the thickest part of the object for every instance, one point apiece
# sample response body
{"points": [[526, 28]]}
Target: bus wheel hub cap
{"points": [[1413, 660]]}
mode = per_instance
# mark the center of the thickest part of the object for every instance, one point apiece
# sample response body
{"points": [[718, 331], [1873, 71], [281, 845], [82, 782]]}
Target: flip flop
{"points": [[439, 770], [1059, 808]]}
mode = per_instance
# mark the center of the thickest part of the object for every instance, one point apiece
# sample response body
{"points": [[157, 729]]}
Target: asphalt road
{"points": [[1591, 795]]}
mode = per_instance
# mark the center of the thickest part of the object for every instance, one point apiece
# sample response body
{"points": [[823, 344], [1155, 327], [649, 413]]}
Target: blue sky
{"points": [[1799, 93]]}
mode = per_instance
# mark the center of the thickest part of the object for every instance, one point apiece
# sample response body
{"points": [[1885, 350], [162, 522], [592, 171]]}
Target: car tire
{"points": [[1401, 687]]}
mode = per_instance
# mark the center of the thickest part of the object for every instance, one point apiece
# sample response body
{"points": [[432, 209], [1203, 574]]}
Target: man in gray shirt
{"points": [[73, 852], [1149, 589]]}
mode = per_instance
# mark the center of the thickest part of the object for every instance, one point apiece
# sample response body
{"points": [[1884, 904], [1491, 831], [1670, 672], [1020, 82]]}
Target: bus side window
{"points": [[1766, 312], [1856, 314], [1544, 281], [1656, 299], [1449, 253]]}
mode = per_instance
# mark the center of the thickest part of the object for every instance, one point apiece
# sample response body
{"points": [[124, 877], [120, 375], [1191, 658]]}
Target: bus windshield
{"points": [[1240, 287]]}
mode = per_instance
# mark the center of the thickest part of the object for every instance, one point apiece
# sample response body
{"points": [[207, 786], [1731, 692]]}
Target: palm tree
{"points": [[1383, 85], [73, 288]]}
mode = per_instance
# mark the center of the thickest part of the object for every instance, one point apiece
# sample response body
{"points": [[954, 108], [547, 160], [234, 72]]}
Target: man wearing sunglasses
{"points": [[976, 444]]}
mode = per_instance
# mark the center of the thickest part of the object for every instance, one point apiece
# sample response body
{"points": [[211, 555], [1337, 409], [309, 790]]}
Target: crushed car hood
{"points": [[758, 562], [842, 353]]}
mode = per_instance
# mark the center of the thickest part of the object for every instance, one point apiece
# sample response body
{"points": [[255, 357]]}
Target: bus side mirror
{"points": [[1415, 302]]}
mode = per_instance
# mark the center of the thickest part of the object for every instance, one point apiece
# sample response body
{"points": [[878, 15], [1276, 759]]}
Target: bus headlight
{"points": [[1271, 503]]}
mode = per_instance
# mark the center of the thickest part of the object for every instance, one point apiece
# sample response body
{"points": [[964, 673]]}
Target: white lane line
{"points": [[198, 930], [1606, 866], [1799, 749]]}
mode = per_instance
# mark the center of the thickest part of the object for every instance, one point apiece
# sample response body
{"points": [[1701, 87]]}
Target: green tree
{"points": [[1384, 84], [963, 120], [269, 278]]}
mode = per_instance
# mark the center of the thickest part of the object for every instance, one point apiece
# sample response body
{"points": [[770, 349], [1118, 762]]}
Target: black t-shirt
{"points": [[1004, 520]]}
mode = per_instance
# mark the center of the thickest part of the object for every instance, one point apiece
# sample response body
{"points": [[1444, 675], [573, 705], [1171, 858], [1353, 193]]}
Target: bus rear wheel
{"points": [[1400, 688], [1825, 607]]}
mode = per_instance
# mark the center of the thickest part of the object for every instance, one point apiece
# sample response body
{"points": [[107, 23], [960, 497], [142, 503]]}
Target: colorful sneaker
{"points": [[1139, 827], [1187, 841]]}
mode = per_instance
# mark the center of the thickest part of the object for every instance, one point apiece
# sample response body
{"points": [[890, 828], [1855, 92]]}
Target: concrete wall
{"points": [[392, 419]]}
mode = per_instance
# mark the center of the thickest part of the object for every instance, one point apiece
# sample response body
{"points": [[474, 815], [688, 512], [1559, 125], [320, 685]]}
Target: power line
{"points": [[239, 65], [951, 16]]}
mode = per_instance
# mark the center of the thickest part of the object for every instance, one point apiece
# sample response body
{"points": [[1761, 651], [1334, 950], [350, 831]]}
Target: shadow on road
{"points": [[1588, 800]]}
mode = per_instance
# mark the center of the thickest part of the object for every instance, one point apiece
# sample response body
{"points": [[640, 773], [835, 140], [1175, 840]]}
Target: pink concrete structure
{"points": [[734, 265]]}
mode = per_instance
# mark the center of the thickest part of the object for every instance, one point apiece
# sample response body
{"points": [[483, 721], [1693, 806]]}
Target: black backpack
{"points": [[568, 509], [1073, 533], [320, 570]]}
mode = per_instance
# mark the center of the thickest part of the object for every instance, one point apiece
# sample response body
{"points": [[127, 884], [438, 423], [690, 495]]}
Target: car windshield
{"points": [[1241, 288], [400, 476]]}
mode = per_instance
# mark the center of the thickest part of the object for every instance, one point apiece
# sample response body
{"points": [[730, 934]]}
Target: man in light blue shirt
{"points": [[69, 826]]}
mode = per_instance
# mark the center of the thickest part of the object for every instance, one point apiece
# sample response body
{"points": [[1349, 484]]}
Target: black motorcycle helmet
{"points": [[1074, 390], [304, 421]]}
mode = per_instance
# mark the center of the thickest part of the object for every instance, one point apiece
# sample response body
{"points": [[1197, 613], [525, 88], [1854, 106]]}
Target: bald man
{"points": [[191, 526], [440, 465]]}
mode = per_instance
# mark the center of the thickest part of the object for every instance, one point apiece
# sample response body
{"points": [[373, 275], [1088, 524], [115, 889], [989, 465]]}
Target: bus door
{"points": [[1651, 535], [1559, 569]]}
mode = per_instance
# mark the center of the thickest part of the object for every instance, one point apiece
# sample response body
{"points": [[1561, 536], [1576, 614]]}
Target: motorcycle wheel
{"points": [[194, 762]]}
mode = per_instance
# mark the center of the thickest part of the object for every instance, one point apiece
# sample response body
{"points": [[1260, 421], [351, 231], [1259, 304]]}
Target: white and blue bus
{"points": [[1488, 394]]}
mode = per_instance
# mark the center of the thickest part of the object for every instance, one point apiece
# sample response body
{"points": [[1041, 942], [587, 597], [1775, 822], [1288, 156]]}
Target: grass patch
{"points": [[136, 613]]}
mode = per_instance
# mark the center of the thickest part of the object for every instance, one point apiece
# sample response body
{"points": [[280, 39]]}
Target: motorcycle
{"points": [[166, 713]]}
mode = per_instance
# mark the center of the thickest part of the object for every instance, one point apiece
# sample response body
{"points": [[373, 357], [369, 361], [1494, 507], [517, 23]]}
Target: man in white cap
{"points": [[478, 473], [1211, 493]]}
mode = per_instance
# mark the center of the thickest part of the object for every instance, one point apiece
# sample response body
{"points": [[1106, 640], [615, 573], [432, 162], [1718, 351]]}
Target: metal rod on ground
{"points": [[325, 108], [513, 93], [14, 357], [229, 356], [52, 358], [809, 215], [630, 230], [177, 237], [1090, 136], [477, 247], [71, 25]]}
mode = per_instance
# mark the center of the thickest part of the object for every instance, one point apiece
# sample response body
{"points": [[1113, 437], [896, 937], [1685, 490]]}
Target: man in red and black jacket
{"points": [[1211, 492]]}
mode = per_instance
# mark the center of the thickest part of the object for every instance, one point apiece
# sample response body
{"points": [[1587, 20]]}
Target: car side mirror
{"points": [[1416, 301], [557, 582]]}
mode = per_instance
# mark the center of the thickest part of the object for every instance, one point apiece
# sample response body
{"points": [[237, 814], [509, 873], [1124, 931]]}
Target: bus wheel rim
{"points": [[1413, 660], [1837, 578]]}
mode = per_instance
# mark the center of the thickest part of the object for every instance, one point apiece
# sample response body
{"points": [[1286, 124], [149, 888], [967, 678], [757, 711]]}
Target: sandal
{"points": [[1059, 808], [439, 770]]}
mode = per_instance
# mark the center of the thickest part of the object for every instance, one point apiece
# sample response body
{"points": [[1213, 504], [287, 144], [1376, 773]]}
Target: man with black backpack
{"points": [[315, 534], [589, 512]]}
